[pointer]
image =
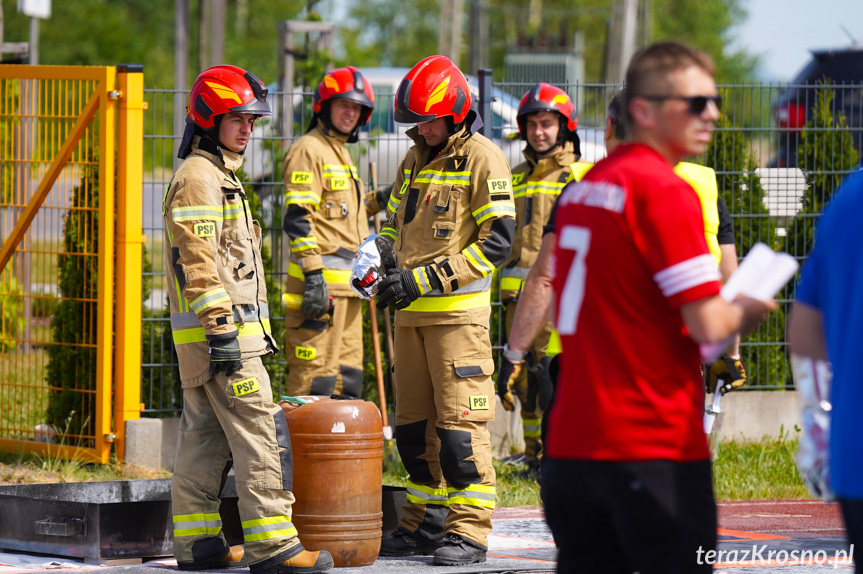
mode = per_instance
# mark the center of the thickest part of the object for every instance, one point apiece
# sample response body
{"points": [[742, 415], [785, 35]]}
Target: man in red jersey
{"points": [[627, 480]]}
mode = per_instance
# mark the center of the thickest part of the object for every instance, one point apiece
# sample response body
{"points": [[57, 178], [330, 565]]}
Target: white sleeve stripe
{"points": [[687, 274]]}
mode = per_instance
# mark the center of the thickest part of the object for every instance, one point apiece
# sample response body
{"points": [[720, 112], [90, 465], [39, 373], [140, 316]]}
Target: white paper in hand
{"points": [[761, 275]]}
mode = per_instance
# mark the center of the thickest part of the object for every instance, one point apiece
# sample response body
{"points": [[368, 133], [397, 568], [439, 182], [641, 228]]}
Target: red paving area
{"points": [[518, 513], [749, 520], [780, 518]]}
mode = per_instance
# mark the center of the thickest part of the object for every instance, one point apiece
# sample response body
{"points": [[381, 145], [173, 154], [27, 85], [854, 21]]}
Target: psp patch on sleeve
{"points": [[204, 229], [246, 387], [302, 177], [501, 185], [478, 403]]}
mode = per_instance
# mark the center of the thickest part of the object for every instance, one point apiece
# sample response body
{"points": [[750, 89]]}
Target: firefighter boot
{"points": [[302, 562], [212, 553], [457, 550], [404, 543]]}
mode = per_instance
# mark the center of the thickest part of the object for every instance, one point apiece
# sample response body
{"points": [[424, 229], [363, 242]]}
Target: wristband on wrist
{"points": [[512, 356]]}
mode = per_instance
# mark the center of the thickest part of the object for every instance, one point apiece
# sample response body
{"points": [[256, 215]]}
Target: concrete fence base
{"points": [[748, 416]]}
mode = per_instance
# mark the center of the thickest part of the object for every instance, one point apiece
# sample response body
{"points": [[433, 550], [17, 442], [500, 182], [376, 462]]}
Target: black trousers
{"points": [[651, 517], [852, 514]]}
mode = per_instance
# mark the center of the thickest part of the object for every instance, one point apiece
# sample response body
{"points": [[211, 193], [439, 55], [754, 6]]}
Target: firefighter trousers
{"points": [[225, 420], [326, 358], [444, 398]]}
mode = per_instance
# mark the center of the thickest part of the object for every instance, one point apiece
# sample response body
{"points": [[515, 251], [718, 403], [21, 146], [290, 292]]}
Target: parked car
{"points": [[844, 69]]}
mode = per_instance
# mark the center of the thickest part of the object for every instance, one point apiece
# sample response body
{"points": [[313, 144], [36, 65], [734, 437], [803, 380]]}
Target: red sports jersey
{"points": [[630, 251]]}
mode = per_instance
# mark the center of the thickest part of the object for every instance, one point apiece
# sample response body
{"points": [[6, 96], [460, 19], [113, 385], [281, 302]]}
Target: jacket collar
{"points": [[331, 132], [230, 161], [564, 156], [472, 124]]}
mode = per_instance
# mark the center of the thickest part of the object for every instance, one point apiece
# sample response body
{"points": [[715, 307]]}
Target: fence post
{"points": [[485, 99], [129, 241]]}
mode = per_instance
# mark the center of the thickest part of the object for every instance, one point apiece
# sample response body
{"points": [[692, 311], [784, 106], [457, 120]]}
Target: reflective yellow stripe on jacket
{"points": [[330, 275], [197, 335], [472, 296], [533, 187]]}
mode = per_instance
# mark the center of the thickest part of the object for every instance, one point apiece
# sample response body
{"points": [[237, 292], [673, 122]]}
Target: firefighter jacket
{"points": [[454, 212], [536, 184], [213, 261], [326, 211]]}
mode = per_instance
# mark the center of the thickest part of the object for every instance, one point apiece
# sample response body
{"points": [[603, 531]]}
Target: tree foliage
{"points": [[826, 155], [71, 370], [112, 32], [763, 351], [381, 33]]}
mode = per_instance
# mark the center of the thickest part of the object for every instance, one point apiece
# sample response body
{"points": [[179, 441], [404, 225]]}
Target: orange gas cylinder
{"points": [[338, 452]]}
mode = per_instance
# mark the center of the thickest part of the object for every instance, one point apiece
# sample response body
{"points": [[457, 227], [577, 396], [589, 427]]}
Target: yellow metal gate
{"points": [[70, 263]]}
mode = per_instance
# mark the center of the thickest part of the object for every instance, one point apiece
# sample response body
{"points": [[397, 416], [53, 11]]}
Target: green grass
{"points": [[757, 470], [741, 471], [17, 468]]}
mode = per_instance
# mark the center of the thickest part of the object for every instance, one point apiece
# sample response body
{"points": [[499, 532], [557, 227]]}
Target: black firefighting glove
{"points": [[401, 287], [727, 373], [224, 355], [383, 196], [507, 376], [316, 299]]}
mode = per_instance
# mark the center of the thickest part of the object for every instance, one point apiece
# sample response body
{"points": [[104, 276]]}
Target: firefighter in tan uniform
{"points": [[221, 328], [326, 218], [452, 224], [547, 121]]}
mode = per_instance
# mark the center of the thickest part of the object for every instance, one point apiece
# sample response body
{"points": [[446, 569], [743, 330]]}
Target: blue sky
{"points": [[783, 31]]}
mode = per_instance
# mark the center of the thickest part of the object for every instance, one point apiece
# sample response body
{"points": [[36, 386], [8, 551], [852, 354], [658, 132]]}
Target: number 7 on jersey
{"points": [[577, 239]]}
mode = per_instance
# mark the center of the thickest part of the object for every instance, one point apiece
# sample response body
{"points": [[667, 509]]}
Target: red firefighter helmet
{"points": [[434, 88], [224, 89], [544, 97], [347, 84]]}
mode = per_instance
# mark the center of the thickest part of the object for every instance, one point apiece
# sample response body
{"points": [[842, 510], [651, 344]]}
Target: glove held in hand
{"points": [[316, 298], [225, 356], [506, 380], [401, 287], [726, 373]]}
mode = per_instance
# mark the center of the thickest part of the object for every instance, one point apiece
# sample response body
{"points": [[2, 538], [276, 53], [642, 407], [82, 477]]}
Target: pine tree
{"points": [[826, 155], [71, 369]]}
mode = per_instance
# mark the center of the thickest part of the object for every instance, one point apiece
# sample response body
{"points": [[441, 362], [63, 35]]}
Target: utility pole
{"points": [[449, 29], [621, 39], [19, 49], [211, 27], [478, 25], [646, 28], [181, 55]]}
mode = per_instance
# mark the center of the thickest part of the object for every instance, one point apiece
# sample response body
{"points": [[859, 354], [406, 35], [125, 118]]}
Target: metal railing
{"points": [[70, 138], [768, 195]]}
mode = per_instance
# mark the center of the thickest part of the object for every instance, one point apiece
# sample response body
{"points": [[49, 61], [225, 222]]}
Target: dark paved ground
{"points": [[768, 537]]}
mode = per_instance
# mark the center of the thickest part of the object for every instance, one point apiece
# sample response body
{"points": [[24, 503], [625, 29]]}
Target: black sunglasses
{"points": [[697, 104]]}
